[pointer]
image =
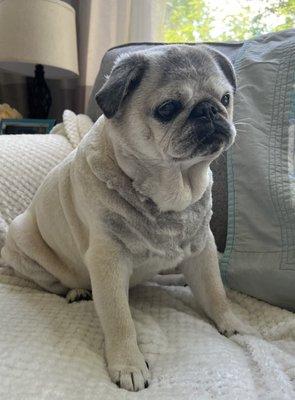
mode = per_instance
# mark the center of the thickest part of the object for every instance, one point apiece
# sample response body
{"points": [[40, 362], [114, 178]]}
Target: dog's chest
{"points": [[145, 233]]}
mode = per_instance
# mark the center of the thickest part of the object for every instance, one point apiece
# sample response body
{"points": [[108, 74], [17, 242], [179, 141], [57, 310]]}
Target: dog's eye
{"points": [[166, 111], [225, 99]]}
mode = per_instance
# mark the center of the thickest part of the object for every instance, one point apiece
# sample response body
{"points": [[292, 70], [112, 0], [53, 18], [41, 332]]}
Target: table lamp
{"points": [[38, 37]]}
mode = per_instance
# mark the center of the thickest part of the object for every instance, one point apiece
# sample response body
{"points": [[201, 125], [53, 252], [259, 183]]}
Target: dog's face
{"points": [[171, 103]]}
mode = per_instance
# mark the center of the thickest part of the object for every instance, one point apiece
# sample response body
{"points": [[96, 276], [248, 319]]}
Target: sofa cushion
{"points": [[260, 253]]}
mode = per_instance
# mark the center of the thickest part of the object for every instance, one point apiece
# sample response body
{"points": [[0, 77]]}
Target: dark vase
{"points": [[39, 97]]}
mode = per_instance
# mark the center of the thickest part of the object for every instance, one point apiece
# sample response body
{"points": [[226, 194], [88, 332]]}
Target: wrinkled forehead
{"points": [[185, 72], [178, 62]]}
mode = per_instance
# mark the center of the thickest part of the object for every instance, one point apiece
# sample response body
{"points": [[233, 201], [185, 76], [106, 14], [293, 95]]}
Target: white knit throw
{"points": [[50, 349], [25, 160]]}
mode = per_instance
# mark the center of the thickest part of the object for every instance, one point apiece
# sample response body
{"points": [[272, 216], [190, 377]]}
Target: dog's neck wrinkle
{"points": [[172, 189], [169, 187]]}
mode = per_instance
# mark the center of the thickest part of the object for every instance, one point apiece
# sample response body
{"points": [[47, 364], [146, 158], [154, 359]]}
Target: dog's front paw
{"points": [[228, 324], [129, 371]]}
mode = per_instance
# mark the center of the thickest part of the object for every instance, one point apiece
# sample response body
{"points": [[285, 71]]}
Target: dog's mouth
{"points": [[207, 140], [212, 151]]}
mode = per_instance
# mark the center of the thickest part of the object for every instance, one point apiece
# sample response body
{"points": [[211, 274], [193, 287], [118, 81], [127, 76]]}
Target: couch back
{"points": [[219, 219]]}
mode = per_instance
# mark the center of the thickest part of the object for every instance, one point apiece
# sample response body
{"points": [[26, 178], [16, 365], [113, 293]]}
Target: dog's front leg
{"points": [[110, 280], [203, 276]]}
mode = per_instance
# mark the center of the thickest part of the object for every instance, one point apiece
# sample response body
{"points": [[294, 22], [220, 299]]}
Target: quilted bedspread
{"points": [[51, 350]]}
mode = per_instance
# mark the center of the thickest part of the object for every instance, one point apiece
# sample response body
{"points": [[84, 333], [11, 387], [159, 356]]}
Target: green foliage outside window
{"points": [[226, 20]]}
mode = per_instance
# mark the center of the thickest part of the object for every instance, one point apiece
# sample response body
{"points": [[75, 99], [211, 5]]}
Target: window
{"points": [[229, 20]]}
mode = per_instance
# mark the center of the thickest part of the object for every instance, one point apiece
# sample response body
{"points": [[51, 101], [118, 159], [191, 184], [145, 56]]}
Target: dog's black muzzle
{"points": [[205, 132], [209, 130]]}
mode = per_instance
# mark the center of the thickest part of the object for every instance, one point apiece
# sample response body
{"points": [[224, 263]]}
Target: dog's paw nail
{"points": [[147, 364], [133, 376], [75, 295], [236, 332]]}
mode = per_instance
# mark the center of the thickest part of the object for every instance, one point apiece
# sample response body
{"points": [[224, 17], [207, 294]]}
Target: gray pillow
{"points": [[260, 252]]}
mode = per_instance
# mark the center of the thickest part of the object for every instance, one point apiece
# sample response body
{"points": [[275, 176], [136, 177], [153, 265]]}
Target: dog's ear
{"points": [[124, 78], [225, 65]]}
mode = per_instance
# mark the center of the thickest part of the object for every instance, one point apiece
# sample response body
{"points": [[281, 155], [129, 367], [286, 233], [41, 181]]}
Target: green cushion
{"points": [[260, 253]]}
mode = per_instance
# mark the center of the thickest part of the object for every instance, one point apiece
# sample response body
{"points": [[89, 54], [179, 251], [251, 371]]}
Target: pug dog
{"points": [[134, 198]]}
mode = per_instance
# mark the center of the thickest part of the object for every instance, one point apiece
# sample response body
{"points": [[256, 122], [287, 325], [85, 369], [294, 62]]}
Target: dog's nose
{"points": [[205, 109]]}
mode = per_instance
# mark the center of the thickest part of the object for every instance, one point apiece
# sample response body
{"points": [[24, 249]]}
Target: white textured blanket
{"points": [[53, 350], [25, 160]]}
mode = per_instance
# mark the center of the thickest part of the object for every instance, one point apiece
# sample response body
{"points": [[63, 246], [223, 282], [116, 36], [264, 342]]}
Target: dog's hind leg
{"points": [[28, 254]]}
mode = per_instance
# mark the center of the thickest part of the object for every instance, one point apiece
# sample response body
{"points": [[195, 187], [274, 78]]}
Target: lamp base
{"points": [[39, 96]]}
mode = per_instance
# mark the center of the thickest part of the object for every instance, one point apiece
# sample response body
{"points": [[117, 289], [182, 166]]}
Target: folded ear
{"points": [[124, 78], [225, 65]]}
